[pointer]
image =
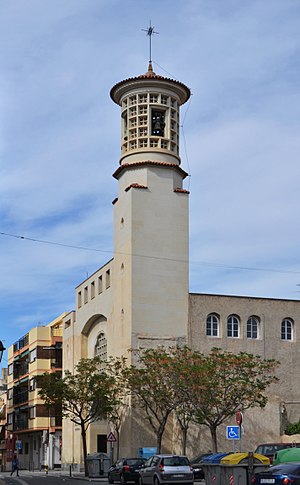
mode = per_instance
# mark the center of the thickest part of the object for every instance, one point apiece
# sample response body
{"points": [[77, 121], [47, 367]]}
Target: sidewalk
{"points": [[54, 473]]}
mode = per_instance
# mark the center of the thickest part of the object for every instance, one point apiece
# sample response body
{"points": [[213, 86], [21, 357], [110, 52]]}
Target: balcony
{"points": [[20, 397], [21, 422], [21, 343], [20, 369]]}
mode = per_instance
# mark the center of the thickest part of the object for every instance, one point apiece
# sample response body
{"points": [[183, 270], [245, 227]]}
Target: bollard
{"points": [[70, 471]]}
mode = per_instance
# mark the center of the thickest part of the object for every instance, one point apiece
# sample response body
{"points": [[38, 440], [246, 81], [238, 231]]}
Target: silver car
{"points": [[161, 469]]}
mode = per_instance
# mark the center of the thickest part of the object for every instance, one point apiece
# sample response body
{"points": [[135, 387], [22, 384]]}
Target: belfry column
{"points": [[150, 302]]}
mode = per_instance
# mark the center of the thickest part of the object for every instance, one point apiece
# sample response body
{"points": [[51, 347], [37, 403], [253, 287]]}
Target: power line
{"points": [[204, 263]]}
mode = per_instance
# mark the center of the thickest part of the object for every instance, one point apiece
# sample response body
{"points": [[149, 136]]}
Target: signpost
{"points": [[111, 439], [233, 433]]}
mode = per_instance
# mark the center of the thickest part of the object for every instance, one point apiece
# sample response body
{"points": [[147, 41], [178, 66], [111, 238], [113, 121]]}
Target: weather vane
{"points": [[150, 31]]}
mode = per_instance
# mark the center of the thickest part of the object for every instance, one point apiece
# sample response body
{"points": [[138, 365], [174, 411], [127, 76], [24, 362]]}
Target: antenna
{"points": [[150, 31]]}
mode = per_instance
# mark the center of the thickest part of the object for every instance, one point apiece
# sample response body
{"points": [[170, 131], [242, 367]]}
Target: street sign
{"points": [[233, 432], [239, 417], [19, 444], [111, 438]]}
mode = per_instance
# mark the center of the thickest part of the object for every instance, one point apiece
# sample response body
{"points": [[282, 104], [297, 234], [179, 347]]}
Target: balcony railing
{"points": [[21, 423], [20, 397], [20, 369], [22, 342]]}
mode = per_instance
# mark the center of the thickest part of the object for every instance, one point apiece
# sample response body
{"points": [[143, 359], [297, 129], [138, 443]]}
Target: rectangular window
{"points": [[10, 369], [79, 300], [10, 393], [10, 418], [93, 289], [86, 295], [100, 285], [32, 412], [32, 384], [32, 357], [107, 281]]}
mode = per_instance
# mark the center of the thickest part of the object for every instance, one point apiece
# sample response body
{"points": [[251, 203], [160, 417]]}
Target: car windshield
{"points": [[269, 449], [135, 462], [175, 461]]}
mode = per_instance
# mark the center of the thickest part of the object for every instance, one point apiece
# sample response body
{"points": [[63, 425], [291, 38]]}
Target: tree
{"points": [[224, 383], [84, 397], [182, 370], [116, 368], [150, 386]]}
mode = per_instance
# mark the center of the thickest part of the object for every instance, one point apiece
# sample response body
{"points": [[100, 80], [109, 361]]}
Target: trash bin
{"points": [[240, 467], [286, 455], [211, 468], [98, 465]]}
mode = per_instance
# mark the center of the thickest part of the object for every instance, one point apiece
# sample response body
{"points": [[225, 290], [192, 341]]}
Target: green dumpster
{"points": [[286, 455]]}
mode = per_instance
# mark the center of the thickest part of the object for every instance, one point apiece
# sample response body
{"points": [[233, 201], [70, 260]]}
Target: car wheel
{"points": [[110, 480]]}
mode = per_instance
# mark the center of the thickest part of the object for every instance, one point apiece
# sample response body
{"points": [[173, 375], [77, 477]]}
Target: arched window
{"points": [[101, 348], [287, 329], [253, 327], [233, 326], [212, 325]]}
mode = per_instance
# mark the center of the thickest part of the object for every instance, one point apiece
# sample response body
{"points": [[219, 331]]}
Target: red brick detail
{"points": [[115, 200], [181, 191], [149, 163], [135, 186]]}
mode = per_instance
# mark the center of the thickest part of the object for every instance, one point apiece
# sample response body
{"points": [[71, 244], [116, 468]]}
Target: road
{"points": [[39, 478]]}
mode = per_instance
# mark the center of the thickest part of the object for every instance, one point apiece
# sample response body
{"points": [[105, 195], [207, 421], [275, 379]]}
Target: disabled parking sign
{"points": [[233, 432]]}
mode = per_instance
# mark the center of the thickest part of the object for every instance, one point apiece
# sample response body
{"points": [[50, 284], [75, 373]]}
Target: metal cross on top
{"points": [[150, 31]]}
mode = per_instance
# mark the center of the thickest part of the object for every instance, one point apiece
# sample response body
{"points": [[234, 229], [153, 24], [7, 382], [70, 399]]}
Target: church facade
{"points": [[141, 299]]}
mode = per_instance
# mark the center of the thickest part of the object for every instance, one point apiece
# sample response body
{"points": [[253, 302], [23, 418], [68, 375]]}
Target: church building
{"points": [[140, 298]]}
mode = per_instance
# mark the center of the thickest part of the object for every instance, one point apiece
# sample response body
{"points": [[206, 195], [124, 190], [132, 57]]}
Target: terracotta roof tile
{"points": [[149, 162], [181, 191], [135, 186]]}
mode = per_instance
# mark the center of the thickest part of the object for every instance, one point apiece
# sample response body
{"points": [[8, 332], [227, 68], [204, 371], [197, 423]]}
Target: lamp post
{"points": [[2, 348]]}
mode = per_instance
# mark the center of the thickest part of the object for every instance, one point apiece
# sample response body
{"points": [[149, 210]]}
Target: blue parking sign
{"points": [[233, 432]]}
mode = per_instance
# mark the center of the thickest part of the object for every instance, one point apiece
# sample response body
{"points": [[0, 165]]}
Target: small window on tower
{"points": [[158, 123]]}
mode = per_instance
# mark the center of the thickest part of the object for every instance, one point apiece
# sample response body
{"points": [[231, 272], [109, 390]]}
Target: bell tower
{"points": [[150, 302]]}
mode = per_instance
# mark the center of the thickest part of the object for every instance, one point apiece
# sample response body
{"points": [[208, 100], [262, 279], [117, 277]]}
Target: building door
{"points": [[101, 443]]}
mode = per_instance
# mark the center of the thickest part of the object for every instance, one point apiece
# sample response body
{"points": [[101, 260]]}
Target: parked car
{"points": [[166, 469], [196, 464], [283, 474], [269, 449], [125, 470]]}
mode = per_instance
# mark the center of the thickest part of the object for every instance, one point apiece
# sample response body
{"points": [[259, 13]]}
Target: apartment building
{"points": [[3, 399], [32, 429]]}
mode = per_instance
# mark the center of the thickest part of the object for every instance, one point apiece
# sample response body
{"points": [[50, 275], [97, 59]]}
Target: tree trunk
{"points": [[213, 432], [184, 431], [158, 441], [84, 448]]}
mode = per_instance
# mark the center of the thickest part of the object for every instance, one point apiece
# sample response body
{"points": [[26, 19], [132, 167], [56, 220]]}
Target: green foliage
{"points": [[293, 428], [83, 397]]}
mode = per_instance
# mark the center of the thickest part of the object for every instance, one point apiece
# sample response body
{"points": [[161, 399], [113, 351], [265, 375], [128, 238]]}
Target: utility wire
{"points": [[205, 263]]}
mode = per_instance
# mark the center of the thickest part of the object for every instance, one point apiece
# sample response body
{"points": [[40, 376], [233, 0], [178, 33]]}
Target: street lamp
{"points": [[2, 348]]}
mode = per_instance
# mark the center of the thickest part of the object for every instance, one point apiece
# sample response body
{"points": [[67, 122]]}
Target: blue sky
{"points": [[60, 142]]}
